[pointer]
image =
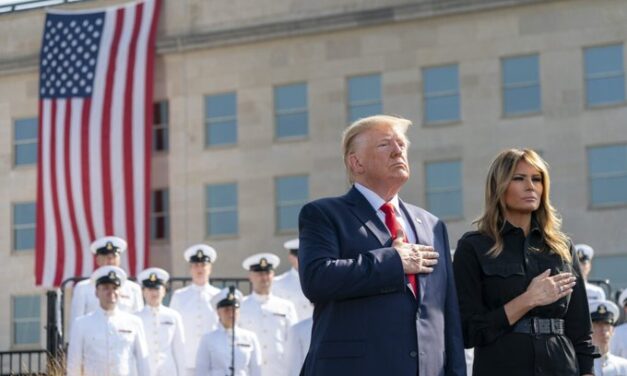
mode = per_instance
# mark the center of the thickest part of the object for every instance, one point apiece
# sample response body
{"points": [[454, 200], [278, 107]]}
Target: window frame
{"points": [[219, 119], [589, 178], [14, 320], [505, 87], [15, 228], [164, 127], [223, 209], [587, 104], [350, 104], [163, 214], [425, 121], [278, 205], [277, 113], [455, 217], [28, 141]]}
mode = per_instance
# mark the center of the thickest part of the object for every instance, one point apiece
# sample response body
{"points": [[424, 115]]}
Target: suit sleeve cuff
{"points": [[586, 364]]}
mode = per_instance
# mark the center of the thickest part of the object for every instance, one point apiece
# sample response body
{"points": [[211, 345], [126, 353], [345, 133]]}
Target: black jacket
{"points": [[485, 284]]}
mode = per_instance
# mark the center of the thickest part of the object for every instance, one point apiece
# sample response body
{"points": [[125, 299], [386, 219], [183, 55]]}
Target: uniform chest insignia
{"points": [[124, 296], [167, 323], [280, 314], [244, 345], [126, 331]]}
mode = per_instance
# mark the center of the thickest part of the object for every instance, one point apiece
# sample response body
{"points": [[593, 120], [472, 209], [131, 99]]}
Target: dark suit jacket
{"points": [[366, 320]]}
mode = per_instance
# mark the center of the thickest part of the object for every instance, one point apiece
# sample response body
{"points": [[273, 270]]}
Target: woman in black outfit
{"points": [[522, 299]]}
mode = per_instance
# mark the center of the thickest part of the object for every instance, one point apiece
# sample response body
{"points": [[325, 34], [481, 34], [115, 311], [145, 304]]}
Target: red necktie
{"points": [[393, 225]]}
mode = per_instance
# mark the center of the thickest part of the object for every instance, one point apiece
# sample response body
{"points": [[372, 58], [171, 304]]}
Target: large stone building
{"points": [[253, 96]]}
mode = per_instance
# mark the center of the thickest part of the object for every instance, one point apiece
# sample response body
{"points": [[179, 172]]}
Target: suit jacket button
{"points": [[413, 354]]}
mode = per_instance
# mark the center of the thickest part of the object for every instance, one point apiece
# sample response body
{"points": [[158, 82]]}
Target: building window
{"points": [[364, 96], [290, 111], [221, 119], [161, 116], [291, 193], [160, 215], [521, 85], [444, 189], [25, 141], [607, 169], [24, 226], [222, 218], [26, 320], [441, 94], [605, 75]]}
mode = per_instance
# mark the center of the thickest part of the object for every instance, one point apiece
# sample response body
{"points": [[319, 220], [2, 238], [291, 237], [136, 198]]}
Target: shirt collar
{"points": [[374, 199], [294, 272], [260, 298], [534, 228], [200, 288], [110, 313]]}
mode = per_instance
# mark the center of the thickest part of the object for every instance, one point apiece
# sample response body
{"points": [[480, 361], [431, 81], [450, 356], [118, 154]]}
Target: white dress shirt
{"points": [[108, 343], [618, 344], [84, 299], [610, 365], [193, 303], [215, 353], [165, 339], [298, 343], [287, 286], [270, 318], [376, 202]]}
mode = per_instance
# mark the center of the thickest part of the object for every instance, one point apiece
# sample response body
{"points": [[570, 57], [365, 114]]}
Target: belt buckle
{"points": [[534, 325]]}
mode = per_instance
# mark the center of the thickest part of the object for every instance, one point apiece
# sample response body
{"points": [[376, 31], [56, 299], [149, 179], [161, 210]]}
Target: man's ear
{"points": [[354, 164]]}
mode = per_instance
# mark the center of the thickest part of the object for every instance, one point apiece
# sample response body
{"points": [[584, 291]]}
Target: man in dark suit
{"points": [[377, 269]]}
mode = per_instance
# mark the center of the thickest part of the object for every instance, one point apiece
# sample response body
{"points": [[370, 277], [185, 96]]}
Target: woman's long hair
{"points": [[493, 218]]}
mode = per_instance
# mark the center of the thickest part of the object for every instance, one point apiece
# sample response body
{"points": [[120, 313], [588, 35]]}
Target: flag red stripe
{"points": [[148, 97], [68, 185], [58, 274], [128, 144], [85, 181], [107, 190], [40, 226]]}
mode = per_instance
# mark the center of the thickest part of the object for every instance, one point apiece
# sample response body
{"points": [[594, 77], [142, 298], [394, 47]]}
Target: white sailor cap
{"points": [[227, 297], [153, 277], [108, 274], [200, 253], [584, 252], [108, 245], [622, 298], [604, 310], [261, 262], [292, 246]]}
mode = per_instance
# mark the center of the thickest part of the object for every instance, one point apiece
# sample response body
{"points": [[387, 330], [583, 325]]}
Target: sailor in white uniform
{"points": [[287, 285], [193, 302], [585, 253], [107, 251], [604, 314], [269, 316], [618, 345], [163, 326], [228, 350], [108, 341], [298, 341]]}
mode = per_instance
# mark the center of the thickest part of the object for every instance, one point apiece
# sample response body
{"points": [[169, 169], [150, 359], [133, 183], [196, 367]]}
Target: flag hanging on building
{"points": [[95, 122]]}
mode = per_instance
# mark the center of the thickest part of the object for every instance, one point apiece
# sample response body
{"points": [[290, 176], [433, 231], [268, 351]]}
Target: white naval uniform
{"points": [[298, 342], [269, 317], [193, 303], [287, 286], [84, 298], [618, 344], [610, 365], [165, 339], [594, 292], [215, 351], [108, 344]]}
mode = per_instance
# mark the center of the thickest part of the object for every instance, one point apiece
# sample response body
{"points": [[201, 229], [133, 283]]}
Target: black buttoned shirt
{"points": [[485, 284]]}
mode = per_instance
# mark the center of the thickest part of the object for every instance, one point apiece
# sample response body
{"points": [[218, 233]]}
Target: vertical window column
{"points": [[25, 136], [291, 193], [605, 75], [441, 94], [364, 96], [24, 226], [607, 175], [160, 215], [521, 85], [444, 189], [290, 111], [221, 119], [221, 210]]}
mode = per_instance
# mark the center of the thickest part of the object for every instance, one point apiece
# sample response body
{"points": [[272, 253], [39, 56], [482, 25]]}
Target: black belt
{"points": [[537, 325]]}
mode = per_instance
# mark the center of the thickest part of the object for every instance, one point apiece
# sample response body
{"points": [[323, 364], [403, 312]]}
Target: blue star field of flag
{"points": [[69, 54]]}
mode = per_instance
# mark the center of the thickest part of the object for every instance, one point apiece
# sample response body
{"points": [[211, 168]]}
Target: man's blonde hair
{"points": [[360, 126]]}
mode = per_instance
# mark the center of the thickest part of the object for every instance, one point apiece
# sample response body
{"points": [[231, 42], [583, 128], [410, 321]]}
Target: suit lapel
{"points": [[422, 237], [362, 209]]}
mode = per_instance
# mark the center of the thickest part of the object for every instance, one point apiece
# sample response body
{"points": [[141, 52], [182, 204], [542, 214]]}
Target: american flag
{"points": [[95, 121]]}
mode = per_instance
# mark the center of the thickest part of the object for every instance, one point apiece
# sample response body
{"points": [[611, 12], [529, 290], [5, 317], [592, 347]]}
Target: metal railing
{"points": [[24, 362]]}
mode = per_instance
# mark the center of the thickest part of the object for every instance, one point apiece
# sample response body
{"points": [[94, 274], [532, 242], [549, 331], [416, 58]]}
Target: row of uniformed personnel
{"points": [[193, 336]]}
